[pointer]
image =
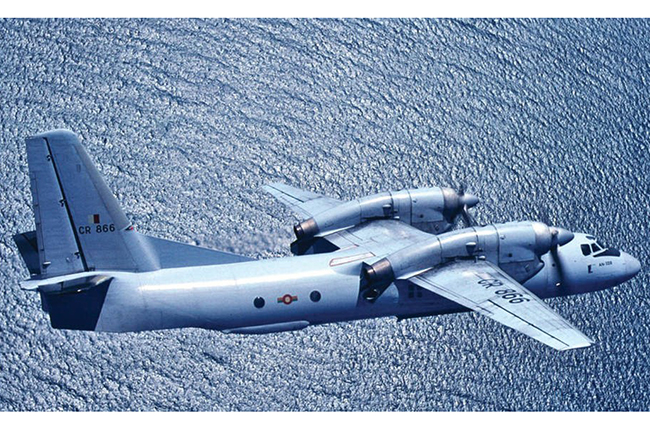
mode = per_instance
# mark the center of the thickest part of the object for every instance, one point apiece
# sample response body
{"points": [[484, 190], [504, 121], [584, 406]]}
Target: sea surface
{"points": [[187, 119]]}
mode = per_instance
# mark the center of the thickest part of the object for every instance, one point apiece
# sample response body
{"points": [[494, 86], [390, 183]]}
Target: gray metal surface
{"points": [[59, 249], [78, 213], [542, 119], [303, 203], [487, 290]]}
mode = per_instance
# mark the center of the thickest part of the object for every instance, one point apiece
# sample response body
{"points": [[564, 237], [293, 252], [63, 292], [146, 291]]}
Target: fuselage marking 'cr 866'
{"points": [[103, 228], [511, 295]]}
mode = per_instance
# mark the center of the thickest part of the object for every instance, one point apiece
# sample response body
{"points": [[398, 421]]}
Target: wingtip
{"points": [[54, 133], [582, 345], [274, 185], [271, 187]]}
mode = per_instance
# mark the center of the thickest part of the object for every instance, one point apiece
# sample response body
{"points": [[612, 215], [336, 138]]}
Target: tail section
{"points": [[82, 235], [79, 224]]}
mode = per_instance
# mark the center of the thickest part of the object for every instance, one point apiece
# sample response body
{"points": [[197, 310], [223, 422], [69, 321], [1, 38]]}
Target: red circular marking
{"points": [[287, 299]]}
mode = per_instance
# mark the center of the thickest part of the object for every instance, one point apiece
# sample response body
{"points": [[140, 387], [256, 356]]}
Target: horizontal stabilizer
{"points": [[75, 303], [177, 255]]}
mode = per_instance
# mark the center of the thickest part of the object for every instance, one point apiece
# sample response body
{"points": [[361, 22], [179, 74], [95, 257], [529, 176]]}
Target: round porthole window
{"points": [[258, 302], [314, 296]]}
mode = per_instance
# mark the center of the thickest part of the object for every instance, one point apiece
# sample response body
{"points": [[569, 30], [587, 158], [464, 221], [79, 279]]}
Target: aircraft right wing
{"points": [[486, 289]]}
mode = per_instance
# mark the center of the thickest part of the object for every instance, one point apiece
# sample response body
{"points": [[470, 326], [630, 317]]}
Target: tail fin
{"points": [[79, 224]]}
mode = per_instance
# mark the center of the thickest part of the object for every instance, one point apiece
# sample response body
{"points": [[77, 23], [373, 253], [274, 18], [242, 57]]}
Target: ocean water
{"points": [[186, 119]]}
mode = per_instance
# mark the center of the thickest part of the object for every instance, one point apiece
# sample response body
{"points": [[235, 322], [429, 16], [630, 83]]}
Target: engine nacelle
{"points": [[514, 247], [429, 209]]}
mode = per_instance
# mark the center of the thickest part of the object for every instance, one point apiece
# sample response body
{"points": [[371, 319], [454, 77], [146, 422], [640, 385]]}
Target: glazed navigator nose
{"points": [[632, 265]]}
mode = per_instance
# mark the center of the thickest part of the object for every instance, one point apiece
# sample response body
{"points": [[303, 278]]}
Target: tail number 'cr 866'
{"points": [[511, 295], [99, 228]]}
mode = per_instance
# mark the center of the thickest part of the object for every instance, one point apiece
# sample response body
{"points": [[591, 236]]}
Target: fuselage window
{"points": [[314, 296], [258, 302], [585, 249]]}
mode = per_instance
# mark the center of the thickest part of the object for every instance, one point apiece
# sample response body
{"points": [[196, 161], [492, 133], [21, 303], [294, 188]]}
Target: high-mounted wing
{"points": [[488, 290], [304, 203], [379, 237]]}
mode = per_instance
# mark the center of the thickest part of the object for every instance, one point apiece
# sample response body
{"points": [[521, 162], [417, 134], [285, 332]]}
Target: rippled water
{"points": [[186, 119]]}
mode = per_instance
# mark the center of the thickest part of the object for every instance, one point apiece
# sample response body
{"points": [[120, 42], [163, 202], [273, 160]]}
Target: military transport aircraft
{"points": [[389, 254]]}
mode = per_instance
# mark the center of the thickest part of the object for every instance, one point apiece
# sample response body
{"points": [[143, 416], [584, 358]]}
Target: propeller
{"points": [[559, 237], [465, 202]]}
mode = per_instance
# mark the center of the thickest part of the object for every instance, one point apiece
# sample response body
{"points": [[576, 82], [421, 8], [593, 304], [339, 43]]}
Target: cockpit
{"points": [[595, 249], [600, 266]]}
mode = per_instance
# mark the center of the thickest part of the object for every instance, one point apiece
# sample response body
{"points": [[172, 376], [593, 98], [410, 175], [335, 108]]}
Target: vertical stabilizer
{"points": [[79, 224]]}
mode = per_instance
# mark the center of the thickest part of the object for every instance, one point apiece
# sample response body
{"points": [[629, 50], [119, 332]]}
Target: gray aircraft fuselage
{"points": [[313, 289]]}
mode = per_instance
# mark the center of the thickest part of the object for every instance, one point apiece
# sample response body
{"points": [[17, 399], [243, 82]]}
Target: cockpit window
{"points": [[613, 252], [595, 247], [585, 249]]}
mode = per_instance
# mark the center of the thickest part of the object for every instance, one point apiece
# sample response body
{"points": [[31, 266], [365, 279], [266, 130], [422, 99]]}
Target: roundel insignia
{"points": [[287, 299]]}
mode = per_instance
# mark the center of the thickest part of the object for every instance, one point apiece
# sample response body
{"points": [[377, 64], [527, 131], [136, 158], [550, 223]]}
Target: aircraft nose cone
{"points": [[563, 236], [468, 200], [632, 266]]}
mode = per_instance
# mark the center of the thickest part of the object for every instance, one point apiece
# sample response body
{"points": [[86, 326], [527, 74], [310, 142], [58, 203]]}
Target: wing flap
{"points": [[381, 237], [488, 290]]}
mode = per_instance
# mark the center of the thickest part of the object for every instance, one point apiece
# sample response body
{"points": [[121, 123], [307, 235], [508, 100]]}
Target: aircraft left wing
{"points": [[486, 289], [379, 237], [304, 203]]}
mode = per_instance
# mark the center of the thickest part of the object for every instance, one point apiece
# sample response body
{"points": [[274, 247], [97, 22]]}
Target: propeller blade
{"points": [[467, 201], [467, 218], [560, 237], [556, 260]]}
